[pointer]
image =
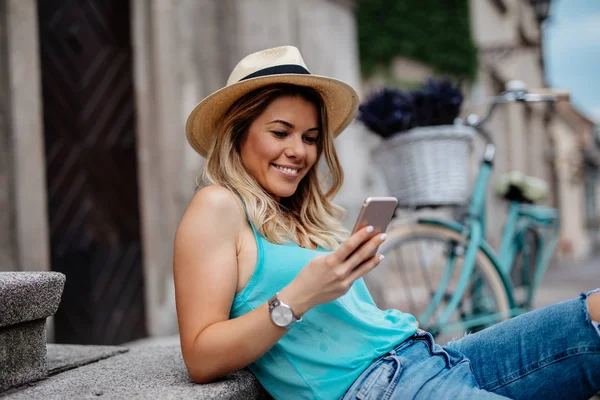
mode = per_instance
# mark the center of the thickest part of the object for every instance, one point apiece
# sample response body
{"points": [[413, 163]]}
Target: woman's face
{"points": [[281, 145]]}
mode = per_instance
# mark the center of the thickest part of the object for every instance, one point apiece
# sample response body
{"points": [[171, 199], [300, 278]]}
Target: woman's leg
{"points": [[550, 353], [594, 310]]}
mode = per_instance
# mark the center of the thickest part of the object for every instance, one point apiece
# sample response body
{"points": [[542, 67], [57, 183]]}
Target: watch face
{"points": [[282, 316]]}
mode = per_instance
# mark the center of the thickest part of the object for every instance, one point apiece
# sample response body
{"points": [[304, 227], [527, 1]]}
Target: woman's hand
{"points": [[328, 277]]}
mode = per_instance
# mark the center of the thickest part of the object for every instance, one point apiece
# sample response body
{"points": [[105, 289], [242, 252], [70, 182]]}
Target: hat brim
{"points": [[340, 99]]}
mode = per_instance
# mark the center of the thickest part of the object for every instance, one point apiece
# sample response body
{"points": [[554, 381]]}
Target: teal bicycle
{"points": [[444, 271]]}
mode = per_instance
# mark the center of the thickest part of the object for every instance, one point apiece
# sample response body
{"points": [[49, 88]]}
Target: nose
{"points": [[296, 149]]}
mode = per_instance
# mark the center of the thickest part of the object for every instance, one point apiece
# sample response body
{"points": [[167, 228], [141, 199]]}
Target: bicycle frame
{"points": [[545, 224], [520, 218]]}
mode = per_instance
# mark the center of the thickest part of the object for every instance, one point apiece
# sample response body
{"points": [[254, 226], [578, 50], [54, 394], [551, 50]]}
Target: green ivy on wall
{"points": [[435, 32]]}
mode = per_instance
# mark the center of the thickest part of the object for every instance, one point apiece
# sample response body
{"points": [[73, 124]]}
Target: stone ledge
{"points": [[29, 296], [63, 357], [22, 353], [147, 371]]}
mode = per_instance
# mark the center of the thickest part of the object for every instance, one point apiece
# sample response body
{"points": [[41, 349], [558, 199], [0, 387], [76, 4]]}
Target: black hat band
{"points": [[278, 70]]}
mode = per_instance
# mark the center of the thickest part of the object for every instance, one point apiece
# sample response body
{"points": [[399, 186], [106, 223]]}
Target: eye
{"points": [[279, 134], [310, 139]]}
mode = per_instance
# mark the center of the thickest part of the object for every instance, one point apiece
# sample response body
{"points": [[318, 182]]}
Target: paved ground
{"points": [[566, 280]]}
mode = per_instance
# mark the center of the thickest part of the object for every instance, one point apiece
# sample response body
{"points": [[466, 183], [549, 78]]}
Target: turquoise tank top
{"points": [[321, 356]]}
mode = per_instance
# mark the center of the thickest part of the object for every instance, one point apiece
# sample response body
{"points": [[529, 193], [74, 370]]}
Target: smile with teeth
{"points": [[287, 171]]}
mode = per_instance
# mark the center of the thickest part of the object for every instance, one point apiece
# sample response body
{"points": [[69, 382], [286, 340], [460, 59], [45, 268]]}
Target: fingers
{"points": [[365, 251], [356, 256], [365, 267], [352, 243]]}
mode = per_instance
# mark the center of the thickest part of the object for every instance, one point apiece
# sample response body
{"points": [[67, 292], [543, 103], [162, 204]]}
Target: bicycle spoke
{"points": [[403, 266], [428, 269], [427, 274]]}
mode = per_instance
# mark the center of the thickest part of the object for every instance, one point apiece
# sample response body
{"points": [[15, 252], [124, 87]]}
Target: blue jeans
{"points": [[550, 353]]}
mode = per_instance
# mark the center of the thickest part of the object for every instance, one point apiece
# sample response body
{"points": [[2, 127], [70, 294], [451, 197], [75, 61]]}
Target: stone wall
{"points": [[7, 244], [24, 242]]}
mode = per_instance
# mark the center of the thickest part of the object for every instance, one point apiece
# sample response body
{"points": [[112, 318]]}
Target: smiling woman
{"points": [[267, 278], [281, 144], [270, 140]]}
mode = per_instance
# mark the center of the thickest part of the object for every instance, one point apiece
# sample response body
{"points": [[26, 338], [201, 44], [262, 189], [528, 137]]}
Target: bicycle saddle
{"points": [[516, 186]]}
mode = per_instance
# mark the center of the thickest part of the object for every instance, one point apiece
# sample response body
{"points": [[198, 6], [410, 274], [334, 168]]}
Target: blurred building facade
{"points": [[95, 170], [576, 162], [508, 38], [554, 143]]}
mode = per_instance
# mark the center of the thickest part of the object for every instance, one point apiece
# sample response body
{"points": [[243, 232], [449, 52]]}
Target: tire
{"points": [[402, 281]]}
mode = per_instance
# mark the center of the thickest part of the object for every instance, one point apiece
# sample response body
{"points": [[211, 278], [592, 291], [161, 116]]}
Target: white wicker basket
{"points": [[428, 166]]}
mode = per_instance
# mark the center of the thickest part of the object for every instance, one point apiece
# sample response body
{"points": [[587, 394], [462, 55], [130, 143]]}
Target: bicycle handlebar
{"points": [[516, 91], [547, 95]]}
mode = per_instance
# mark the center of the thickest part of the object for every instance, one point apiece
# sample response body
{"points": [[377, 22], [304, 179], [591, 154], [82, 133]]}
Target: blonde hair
{"points": [[308, 217]]}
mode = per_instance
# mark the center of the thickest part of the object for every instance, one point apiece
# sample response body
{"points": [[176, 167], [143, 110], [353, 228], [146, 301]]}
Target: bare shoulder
{"points": [[205, 261], [213, 205], [217, 199]]}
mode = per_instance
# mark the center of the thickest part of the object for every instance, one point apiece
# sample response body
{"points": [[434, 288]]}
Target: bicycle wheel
{"points": [[417, 277]]}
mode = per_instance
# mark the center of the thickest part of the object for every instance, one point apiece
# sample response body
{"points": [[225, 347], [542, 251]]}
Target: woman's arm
{"points": [[205, 273]]}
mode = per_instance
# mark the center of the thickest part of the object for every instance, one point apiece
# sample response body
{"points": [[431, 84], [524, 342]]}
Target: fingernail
{"points": [[383, 236], [381, 257], [369, 229]]}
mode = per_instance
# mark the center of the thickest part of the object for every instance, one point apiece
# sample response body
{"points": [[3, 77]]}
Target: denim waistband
{"points": [[404, 354]]}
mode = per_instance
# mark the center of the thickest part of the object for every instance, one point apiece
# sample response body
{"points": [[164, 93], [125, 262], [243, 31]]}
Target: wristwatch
{"points": [[281, 314]]}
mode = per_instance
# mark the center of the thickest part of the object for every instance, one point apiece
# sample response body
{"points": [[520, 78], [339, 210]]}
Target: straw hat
{"points": [[272, 66]]}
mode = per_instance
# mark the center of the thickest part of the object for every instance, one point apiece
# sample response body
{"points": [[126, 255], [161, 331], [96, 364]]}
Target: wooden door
{"points": [[90, 143]]}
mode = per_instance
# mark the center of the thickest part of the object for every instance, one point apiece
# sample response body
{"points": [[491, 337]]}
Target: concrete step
{"points": [[26, 300], [150, 369]]}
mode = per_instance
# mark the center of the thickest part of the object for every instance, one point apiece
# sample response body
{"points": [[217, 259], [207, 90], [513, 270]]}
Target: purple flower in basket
{"points": [[445, 101], [387, 112], [392, 111]]}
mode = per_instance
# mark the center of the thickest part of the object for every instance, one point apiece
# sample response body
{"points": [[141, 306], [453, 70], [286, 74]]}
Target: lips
{"points": [[287, 171]]}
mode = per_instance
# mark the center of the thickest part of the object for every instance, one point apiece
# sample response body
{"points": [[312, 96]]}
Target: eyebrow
{"points": [[291, 126]]}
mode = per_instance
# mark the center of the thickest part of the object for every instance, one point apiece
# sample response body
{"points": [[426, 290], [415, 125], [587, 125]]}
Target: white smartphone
{"points": [[377, 212]]}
